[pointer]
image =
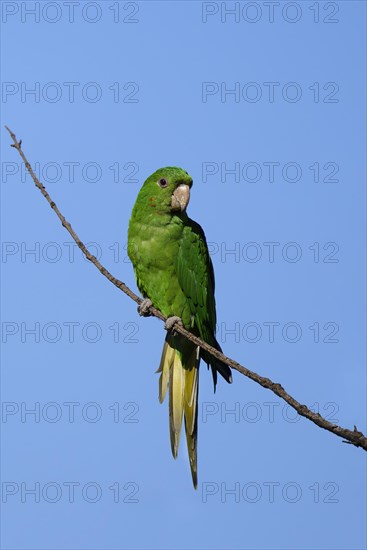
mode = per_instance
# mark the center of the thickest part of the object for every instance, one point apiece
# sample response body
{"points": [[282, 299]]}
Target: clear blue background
{"points": [[169, 52]]}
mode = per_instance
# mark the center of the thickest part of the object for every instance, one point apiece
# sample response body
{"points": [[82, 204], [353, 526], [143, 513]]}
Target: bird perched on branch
{"points": [[175, 274]]}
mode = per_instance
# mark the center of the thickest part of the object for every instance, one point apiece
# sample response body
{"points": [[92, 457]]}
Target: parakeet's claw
{"points": [[171, 321], [143, 308]]}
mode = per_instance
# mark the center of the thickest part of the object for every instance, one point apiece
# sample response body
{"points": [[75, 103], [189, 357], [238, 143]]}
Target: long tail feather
{"points": [[168, 354], [176, 402], [191, 413], [182, 382]]}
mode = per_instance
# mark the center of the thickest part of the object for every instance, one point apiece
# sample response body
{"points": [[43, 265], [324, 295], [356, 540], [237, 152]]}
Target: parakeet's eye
{"points": [[163, 182]]}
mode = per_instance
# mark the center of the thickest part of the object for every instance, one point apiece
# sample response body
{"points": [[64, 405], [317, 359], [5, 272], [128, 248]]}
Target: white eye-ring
{"points": [[162, 182]]}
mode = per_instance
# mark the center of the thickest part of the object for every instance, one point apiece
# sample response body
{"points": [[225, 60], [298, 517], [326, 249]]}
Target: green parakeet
{"points": [[174, 272]]}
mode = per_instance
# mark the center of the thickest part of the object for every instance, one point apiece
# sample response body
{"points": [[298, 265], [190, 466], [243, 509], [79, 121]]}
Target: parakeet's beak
{"points": [[180, 198]]}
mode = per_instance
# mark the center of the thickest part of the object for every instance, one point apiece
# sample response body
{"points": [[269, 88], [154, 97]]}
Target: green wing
{"points": [[196, 278], [195, 274]]}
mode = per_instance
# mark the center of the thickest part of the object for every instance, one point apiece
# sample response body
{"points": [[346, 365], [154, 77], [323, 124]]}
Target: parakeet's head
{"points": [[166, 191]]}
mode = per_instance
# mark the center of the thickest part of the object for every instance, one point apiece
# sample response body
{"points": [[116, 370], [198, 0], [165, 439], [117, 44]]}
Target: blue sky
{"points": [[265, 109]]}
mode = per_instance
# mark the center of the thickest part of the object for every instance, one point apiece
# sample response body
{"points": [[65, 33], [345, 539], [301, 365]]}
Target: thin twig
{"points": [[353, 437]]}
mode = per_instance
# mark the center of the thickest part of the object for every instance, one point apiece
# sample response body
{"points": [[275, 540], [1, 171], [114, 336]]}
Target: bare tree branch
{"points": [[353, 437]]}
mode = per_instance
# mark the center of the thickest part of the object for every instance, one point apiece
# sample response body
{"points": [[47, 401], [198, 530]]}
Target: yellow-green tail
{"points": [[182, 382]]}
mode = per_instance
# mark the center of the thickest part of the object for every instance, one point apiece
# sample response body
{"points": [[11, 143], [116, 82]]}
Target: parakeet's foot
{"points": [[171, 321], [143, 308]]}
